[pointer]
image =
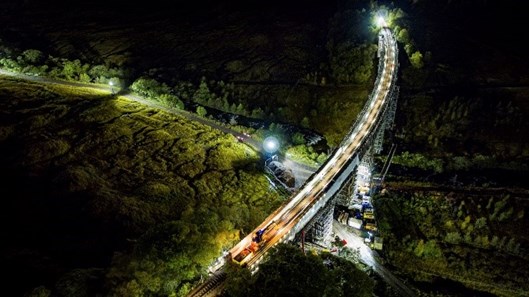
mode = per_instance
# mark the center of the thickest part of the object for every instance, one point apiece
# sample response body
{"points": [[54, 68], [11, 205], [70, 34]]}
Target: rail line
{"points": [[283, 223]]}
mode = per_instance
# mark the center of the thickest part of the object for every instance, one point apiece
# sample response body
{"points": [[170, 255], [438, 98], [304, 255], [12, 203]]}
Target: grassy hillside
{"points": [[86, 175]]}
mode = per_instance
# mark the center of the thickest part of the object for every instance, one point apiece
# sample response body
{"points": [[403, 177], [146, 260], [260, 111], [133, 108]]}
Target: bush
{"points": [[72, 70], [149, 87], [201, 111], [33, 56], [305, 154], [171, 101], [102, 73], [10, 64], [298, 138], [420, 161]]}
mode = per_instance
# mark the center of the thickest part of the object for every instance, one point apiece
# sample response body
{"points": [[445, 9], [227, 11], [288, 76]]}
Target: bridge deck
{"points": [[321, 186]]}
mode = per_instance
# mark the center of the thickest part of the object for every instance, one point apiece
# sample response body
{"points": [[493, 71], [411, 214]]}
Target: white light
{"points": [[381, 22], [110, 83], [271, 144]]}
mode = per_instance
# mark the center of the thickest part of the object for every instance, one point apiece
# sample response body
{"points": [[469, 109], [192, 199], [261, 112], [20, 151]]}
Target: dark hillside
{"points": [[454, 210]]}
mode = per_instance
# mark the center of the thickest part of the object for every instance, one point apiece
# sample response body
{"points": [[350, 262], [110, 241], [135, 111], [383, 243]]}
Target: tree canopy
{"points": [[288, 272]]}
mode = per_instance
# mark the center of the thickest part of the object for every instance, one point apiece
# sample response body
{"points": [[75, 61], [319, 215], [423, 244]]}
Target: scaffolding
{"points": [[387, 121], [363, 172], [320, 227], [379, 138], [346, 194]]}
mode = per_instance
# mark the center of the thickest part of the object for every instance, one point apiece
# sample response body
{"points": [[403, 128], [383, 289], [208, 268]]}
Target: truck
{"points": [[379, 241], [355, 223], [366, 205], [370, 225], [369, 214]]}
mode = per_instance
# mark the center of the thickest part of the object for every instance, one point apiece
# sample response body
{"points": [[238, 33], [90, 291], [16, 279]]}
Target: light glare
{"points": [[271, 144], [381, 22]]}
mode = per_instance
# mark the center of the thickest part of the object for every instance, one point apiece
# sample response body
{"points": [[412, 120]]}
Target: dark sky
{"points": [[502, 22], [153, 5]]}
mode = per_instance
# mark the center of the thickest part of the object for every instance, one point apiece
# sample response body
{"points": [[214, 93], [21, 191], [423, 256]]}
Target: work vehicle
{"points": [[258, 240]]}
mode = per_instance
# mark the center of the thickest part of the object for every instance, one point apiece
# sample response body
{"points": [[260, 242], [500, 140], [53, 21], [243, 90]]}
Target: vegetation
{"points": [[306, 155], [160, 92], [288, 272], [291, 103], [419, 161], [464, 134], [470, 238], [121, 198], [35, 62], [455, 201], [305, 98], [124, 175]]}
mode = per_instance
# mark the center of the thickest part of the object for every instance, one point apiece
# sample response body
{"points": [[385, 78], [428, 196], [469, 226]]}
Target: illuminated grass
{"points": [[136, 169]]}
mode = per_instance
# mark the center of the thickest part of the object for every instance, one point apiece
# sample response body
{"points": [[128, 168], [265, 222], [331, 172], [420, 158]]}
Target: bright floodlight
{"points": [[381, 22], [271, 144], [111, 84]]}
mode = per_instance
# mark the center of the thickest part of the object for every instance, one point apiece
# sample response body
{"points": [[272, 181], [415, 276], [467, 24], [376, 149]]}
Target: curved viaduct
{"points": [[292, 216]]}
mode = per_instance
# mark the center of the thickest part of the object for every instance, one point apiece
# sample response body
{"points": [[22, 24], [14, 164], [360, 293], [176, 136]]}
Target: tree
{"points": [[202, 94], [79, 282], [351, 63], [166, 258], [70, 69], [408, 48], [10, 64], [285, 266], [149, 87], [83, 77], [171, 101], [100, 73], [238, 280], [346, 278], [258, 113], [73, 69], [240, 109], [453, 237], [305, 122], [416, 60], [403, 36], [287, 271], [201, 111], [39, 292], [32, 56], [298, 138], [321, 158], [481, 223]]}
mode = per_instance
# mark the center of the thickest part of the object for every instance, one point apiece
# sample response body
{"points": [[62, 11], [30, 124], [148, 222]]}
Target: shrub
{"points": [[201, 111], [149, 87]]}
